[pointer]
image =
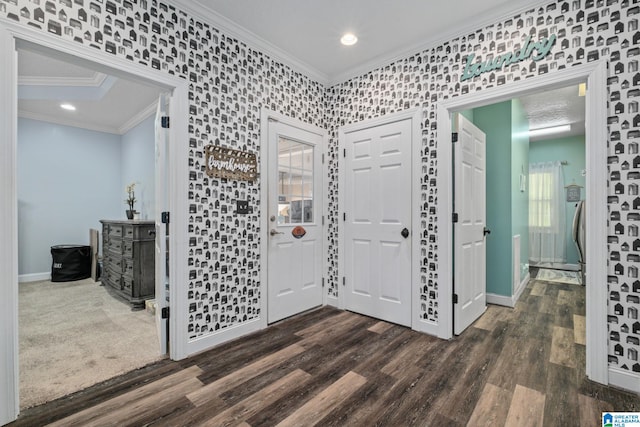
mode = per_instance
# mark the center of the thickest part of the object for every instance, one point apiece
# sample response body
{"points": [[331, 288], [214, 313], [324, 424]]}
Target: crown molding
{"points": [[65, 122], [490, 17], [229, 27], [94, 81], [138, 118]]}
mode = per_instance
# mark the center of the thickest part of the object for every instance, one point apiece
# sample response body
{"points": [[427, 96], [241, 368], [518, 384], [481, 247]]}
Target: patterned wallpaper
{"points": [[229, 82], [586, 30]]}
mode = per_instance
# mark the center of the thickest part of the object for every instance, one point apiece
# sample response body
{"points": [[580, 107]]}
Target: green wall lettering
{"points": [[541, 49]]}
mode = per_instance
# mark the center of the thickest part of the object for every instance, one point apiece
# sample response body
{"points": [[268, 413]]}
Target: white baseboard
{"points": [[520, 288], [500, 300], [34, 277], [509, 301], [624, 379]]}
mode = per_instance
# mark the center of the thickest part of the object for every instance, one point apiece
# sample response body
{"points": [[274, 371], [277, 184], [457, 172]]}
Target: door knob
{"points": [[405, 232], [273, 232], [486, 231]]}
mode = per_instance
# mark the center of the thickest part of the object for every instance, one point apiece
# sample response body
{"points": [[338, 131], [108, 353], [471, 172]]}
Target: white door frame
{"points": [[267, 116], [14, 36], [595, 74], [415, 115]]}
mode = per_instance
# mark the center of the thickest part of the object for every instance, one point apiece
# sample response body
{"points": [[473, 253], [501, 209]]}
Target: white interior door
{"points": [[162, 235], [295, 228], [469, 230], [377, 221]]}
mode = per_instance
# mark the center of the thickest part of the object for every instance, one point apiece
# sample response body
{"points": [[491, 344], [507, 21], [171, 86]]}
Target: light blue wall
{"points": [[68, 179], [520, 166], [505, 125], [495, 122], [571, 149], [138, 154]]}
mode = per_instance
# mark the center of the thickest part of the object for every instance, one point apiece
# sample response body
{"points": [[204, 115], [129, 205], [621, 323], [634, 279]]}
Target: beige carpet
{"points": [[75, 334]]}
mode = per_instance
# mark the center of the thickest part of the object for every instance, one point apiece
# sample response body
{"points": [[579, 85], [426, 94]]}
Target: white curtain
{"points": [[547, 218]]}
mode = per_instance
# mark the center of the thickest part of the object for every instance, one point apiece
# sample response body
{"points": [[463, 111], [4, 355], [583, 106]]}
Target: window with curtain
{"points": [[547, 222]]}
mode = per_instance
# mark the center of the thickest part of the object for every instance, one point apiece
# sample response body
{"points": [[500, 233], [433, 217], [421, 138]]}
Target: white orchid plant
{"points": [[131, 196]]}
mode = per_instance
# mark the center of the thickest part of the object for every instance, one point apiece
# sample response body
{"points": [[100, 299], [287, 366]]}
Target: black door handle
{"points": [[405, 232], [486, 231]]}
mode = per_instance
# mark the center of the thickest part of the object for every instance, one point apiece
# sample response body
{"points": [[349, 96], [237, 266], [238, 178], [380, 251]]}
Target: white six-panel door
{"points": [[295, 200], [377, 202], [469, 236]]}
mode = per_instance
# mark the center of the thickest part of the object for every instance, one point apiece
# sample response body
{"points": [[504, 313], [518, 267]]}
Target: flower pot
{"points": [[130, 213]]}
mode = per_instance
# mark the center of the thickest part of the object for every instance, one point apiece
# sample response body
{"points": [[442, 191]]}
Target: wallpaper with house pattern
{"points": [[229, 82]]}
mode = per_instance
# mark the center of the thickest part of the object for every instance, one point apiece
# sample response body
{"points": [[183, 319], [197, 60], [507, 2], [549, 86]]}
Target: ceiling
{"points": [[554, 108], [103, 103], [305, 33], [309, 30]]}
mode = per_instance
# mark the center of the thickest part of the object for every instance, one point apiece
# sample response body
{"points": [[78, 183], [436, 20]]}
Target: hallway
{"points": [[522, 366]]}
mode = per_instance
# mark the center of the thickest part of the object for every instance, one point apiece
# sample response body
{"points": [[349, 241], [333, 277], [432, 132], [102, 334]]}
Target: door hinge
{"points": [[344, 281], [322, 219], [454, 217], [323, 282], [164, 122], [344, 152], [323, 158], [454, 137], [165, 313], [344, 216], [165, 217], [455, 298]]}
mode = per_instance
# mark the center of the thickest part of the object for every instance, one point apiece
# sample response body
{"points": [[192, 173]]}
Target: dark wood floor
{"points": [[514, 367]]}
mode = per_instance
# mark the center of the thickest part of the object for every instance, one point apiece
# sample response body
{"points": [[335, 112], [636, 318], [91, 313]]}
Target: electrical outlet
{"points": [[242, 207]]}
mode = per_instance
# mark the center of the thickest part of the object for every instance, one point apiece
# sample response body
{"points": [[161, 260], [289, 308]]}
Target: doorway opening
{"points": [[594, 74], [12, 41], [73, 167]]}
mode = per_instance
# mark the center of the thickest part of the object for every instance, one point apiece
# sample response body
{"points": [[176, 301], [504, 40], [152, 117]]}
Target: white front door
{"points": [[295, 221], [377, 221], [162, 205], [469, 230]]}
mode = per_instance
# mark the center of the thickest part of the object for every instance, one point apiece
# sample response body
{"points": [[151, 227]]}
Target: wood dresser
{"points": [[128, 259]]}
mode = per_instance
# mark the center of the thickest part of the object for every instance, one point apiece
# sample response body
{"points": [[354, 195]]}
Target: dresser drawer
{"points": [[143, 232], [115, 246], [127, 248], [113, 278], [127, 284], [115, 230]]}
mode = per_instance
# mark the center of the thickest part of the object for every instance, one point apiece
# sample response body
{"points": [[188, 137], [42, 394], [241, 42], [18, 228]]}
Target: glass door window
{"points": [[295, 182]]}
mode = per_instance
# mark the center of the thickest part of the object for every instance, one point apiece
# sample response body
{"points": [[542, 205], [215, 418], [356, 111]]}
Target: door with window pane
{"points": [[295, 233]]}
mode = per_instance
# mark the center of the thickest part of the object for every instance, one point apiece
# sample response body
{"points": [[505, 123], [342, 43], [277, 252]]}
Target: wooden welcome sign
{"points": [[230, 164]]}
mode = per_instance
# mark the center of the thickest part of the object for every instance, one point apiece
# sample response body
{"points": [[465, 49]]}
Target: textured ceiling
{"points": [[553, 108]]}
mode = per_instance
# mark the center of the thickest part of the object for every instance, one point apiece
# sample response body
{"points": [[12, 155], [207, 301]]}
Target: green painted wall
{"points": [[520, 199], [571, 149], [495, 122], [506, 127]]}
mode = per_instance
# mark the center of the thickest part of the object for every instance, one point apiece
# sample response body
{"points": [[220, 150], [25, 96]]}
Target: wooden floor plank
{"points": [[562, 347], [250, 406], [318, 407], [499, 371], [591, 410], [380, 327], [579, 329], [492, 407], [526, 409], [538, 289], [133, 397], [201, 396]]}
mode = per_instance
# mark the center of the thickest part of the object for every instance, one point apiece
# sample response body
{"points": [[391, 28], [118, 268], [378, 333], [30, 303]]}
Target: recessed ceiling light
{"points": [[348, 39], [68, 107]]}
